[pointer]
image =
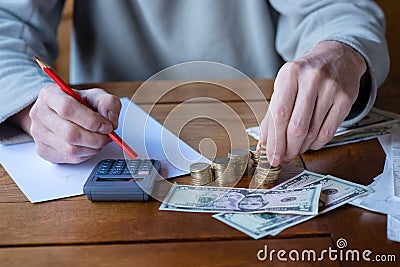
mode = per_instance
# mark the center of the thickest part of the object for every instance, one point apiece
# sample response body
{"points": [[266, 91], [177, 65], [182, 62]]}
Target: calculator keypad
{"points": [[118, 168]]}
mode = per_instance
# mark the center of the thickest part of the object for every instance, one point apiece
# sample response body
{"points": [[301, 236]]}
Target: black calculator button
{"points": [[101, 172], [127, 172], [115, 172], [105, 166], [145, 167]]}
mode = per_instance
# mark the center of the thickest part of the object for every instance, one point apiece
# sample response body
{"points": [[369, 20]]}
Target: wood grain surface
{"points": [[75, 231]]}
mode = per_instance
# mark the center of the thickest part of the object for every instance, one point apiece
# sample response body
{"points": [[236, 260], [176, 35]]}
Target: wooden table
{"points": [[77, 232]]}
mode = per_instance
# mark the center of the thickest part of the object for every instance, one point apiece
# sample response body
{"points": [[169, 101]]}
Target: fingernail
{"points": [[113, 117], [105, 128], [275, 160]]}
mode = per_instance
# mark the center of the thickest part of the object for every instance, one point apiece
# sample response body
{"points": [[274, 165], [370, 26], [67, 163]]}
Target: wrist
{"points": [[22, 119], [352, 56]]}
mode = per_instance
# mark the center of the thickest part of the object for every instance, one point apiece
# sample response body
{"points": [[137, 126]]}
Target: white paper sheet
{"points": [[383, 199], [150, 139], [41, 180], [395, 158], [393, 228]]}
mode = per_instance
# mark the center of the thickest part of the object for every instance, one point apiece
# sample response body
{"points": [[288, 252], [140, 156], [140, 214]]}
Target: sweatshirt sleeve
{"points": [[302, 24], [27, 28]]}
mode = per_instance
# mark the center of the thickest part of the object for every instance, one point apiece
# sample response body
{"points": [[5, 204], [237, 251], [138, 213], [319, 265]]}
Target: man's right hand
{"points": [[65, 131]]}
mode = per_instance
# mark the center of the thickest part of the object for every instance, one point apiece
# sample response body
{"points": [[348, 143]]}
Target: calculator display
{"points": [[108, 179]]}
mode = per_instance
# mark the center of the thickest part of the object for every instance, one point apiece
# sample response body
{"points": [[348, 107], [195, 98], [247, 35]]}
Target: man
{"points": [[336, 52], [252, 202]]}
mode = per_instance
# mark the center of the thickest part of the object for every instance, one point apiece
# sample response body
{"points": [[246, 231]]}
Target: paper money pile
{"points": [[261, 212], [377, 122], [242, 200], [335, 193]]}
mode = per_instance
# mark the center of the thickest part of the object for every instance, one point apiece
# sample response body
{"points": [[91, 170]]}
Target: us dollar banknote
{"points": [[186, 198], [300, 180], [377, 122], [335, 193]]}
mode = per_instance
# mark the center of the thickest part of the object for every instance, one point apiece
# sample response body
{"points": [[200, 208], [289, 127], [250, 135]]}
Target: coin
{"points": [[239, 158], [224, 172], [265, 173], [254, 156], [201, 173]]}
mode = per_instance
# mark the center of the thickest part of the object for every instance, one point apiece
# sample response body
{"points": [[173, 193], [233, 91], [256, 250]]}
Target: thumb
{"points": [[264, 128], [263, 132]]}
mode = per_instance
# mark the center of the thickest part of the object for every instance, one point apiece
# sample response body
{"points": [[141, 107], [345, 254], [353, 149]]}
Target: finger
{"points": [[264, 130], [68, 132], [73, 134], [323, 104], [43, 135], [281, 107], [109, 106], [338, 112], [300, 120], [53, 155], [70, 109], [274, 156]]}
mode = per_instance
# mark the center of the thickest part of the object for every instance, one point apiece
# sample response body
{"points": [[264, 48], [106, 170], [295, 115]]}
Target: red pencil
{"points": [[113, 135]]}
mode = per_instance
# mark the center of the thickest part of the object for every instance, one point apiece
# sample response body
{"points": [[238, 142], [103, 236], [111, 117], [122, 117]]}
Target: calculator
{"points": [[122, 180]]}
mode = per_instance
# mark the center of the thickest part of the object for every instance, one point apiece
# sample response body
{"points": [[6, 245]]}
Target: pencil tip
{"points": [[41, 64]]}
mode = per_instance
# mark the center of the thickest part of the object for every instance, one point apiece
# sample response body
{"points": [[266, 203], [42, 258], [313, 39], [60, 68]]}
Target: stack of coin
{"points": [[254, 156], [201, 173], [239, 158], [224, 173], [265, 173]]}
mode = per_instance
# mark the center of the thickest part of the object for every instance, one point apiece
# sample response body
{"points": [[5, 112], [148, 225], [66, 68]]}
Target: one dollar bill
{"points": [[186, 198]]}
